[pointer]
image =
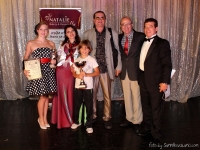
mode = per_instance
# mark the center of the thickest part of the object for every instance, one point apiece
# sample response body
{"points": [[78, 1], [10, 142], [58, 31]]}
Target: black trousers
{"points": [[152, 107], [85, 95]]}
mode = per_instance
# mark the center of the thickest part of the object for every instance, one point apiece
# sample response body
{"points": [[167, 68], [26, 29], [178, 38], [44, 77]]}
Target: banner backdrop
{"points": [[57, 19]]}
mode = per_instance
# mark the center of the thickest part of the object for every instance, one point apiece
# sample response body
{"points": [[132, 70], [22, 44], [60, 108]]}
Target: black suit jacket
{"points": [[130, 62], [157, 65]]}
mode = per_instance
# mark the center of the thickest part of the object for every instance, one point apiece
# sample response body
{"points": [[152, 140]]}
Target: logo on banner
{"points": [[59, 18], [59, 21]]}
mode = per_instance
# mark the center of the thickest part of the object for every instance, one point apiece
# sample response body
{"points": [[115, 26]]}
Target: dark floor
{"points": [[19, 129]]}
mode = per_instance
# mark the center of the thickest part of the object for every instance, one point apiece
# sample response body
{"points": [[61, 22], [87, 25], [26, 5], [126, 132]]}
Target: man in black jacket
{"points": [[155, 71], [130, 42]]}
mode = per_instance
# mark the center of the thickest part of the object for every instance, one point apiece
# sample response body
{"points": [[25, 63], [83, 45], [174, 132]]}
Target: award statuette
{"points": [[53, 57], [80, 65]]}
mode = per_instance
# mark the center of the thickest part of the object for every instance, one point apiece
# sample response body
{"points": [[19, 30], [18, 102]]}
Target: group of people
{"points": [[143, 65]]}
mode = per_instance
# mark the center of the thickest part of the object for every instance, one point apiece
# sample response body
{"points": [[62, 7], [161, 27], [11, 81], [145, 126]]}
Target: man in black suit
{"points": [[155, 71], [130, 42]]}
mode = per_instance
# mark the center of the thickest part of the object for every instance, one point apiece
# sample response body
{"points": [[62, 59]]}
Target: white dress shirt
{"points": [[144, 50]]}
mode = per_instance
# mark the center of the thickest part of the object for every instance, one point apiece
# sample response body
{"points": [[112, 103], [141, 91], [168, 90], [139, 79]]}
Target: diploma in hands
{"points": [[34, 69]]}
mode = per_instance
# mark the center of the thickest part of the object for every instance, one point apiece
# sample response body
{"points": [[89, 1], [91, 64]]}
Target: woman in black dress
{"points": [[41, 48]]}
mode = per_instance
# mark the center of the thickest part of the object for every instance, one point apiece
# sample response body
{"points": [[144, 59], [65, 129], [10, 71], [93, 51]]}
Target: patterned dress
{"points": [[47, 84]]}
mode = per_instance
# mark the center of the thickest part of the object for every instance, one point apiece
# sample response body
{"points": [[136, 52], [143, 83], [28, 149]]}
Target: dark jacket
{"points": [[130, 62], [157, 65]]}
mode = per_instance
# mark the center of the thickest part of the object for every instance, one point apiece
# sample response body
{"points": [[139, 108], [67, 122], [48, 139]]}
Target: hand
{"points": [[26, 73], [163, 87], [117, 72], [53, 61], [81, 75]]}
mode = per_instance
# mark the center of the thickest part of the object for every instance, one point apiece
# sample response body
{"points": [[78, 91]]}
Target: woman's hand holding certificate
{"points": [[32, 69]]}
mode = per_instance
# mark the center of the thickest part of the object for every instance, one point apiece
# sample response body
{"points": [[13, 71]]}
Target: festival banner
{"points": [[57, 19]]}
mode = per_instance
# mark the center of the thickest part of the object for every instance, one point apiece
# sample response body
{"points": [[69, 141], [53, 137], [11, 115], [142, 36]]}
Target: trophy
{"points": [[53, 57], [80, 65]]}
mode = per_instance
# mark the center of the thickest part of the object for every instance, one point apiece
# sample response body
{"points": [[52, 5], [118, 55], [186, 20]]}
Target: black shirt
{"points": [[100, 51]]}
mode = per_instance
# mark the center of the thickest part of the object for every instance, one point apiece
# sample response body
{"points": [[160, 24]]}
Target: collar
{"points": [[104, 30], [130, 34]]}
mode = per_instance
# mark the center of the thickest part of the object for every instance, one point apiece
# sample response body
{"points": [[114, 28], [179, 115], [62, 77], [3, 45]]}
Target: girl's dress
{"points": [[46, 84]]}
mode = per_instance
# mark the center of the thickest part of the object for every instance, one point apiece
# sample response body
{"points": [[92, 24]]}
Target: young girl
{"points": [[89, 71], [41, 48]]}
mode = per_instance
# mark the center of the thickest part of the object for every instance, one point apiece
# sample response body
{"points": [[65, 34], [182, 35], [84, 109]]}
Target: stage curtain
{"points": [[178, 22]]}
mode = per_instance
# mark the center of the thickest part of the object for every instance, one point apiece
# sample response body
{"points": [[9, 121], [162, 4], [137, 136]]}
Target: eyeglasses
{"points": [[99, 18], [127, 24]]}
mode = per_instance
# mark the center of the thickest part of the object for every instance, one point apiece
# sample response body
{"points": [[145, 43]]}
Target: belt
{"points": [[45, 60]]}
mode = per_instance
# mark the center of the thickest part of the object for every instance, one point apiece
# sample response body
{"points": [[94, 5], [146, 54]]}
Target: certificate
{"points": [[34, 69]]}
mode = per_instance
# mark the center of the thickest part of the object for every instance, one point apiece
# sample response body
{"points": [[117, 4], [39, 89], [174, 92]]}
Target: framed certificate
{"points": [[34, 67]]}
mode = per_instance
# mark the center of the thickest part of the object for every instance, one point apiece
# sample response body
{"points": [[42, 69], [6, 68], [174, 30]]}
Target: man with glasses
{"points": [[130, 42], [99, 36]]}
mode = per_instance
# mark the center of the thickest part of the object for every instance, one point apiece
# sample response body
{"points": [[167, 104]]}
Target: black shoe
{"points": [[126, 123], [144, 132], [137, 128], [107, 124]]}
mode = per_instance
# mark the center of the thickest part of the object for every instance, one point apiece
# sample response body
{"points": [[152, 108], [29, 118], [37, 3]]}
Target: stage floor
{"points": [[19, 129]]}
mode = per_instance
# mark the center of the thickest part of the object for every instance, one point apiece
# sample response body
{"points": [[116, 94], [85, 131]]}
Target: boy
{"points": [[89, 71]]}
